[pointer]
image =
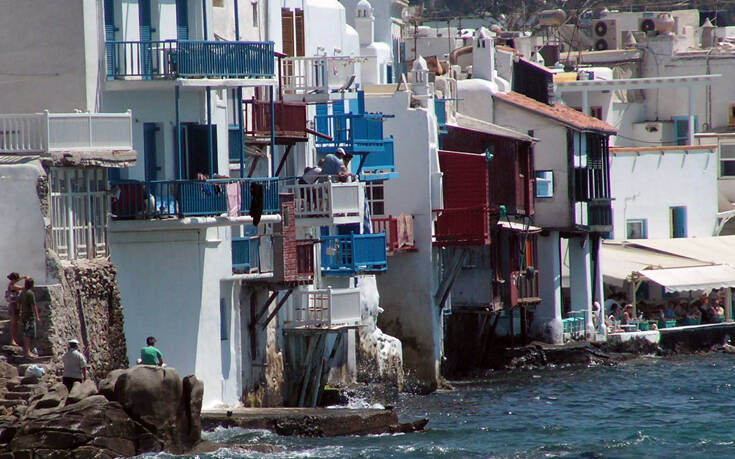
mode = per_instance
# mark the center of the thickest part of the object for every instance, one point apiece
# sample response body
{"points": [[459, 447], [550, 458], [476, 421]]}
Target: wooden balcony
{"points": [[50, 132], [328, 203], [524, 288], [290, 122], [324, 309], [350, 254], [171, 59], [398, 232], [462, 226], [315, 79]]}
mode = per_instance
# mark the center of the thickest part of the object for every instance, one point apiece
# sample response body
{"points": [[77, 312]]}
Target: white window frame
{"points": [[643, 228], [547, 179], [373, 202], [79, 211], [724, 159]]}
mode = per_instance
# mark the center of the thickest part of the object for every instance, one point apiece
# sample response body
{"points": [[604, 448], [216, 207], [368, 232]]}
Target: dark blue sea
{"points": [[653, 407]]}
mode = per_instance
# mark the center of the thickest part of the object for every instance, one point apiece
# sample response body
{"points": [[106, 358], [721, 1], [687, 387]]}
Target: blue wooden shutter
{"points": [[340, 127], [679, 221], [182, 19], [322, 124], [146, 34], [110, 36], [149, 151], [644, 228]]}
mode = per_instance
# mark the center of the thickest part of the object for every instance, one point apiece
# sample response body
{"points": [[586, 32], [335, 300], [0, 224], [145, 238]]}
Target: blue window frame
{"points": [[681, 129], [678, 221], [636, 228]]}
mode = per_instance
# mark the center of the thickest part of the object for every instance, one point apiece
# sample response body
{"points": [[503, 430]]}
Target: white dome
{"points": [[419, 64], [364, 8]]}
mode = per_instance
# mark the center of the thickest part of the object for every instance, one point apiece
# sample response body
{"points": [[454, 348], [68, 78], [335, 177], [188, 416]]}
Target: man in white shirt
{"points": [[75, 365]]}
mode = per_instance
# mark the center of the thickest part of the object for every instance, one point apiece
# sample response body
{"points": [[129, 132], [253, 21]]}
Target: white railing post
{"points": [[45, 135], [89, 127]]}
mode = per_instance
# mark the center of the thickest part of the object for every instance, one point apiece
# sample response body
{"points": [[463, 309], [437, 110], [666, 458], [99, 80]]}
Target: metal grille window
{"points": [[79, 207], [375, 193]]}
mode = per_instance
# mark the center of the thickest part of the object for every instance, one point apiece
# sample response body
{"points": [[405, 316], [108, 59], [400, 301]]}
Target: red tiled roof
{"points": [[559, 112]]}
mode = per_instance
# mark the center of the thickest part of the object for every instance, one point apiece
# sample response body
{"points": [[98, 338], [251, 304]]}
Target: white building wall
{"points": [[224, 20], [550, 154], [44, 54], [170, 288], [648, 184], [407, 288], [22, 234]]}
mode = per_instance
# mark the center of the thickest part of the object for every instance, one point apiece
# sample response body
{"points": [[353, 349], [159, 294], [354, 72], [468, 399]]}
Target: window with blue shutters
{"points": [[182, 19], [678, 221]]}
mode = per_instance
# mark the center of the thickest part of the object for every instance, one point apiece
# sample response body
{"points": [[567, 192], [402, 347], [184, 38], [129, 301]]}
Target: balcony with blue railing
{"points": [[245, 254], [360, 134], [171, 59], [188, 198], [346, 255]]}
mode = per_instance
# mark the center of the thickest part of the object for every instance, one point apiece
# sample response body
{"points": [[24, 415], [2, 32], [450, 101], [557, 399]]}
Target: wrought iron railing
{"points": [[353, 253], [189, 59], [184, 198]]}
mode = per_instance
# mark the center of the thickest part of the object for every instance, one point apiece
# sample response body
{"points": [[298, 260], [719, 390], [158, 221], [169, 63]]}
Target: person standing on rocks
{"points": [[149, 355], [75, 365], [28, 316], [11, 296]]}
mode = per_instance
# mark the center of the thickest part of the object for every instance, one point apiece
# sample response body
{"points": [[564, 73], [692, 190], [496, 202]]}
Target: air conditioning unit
{"points": [[647, 24], [605, 34]]}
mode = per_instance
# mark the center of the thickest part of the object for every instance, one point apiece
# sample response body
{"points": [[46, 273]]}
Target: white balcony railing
{"points": [[328, 203], [309, 75], [46, 132], [324, 309]]}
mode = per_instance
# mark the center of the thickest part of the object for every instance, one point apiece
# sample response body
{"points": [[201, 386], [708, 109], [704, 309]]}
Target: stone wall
{"points": [[84, 304]]}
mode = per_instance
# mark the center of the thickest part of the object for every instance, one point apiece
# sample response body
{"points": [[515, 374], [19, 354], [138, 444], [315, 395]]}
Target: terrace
{"points": [[328, 203], [313, 79], [58, 132], [350, 254]]}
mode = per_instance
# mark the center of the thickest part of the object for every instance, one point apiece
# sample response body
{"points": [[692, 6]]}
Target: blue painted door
{"points": [[150, 151], [146, 34], [679, 221]]}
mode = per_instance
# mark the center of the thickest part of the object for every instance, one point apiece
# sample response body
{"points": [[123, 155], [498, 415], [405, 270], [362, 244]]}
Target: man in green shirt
{"points": [[149, 355]]}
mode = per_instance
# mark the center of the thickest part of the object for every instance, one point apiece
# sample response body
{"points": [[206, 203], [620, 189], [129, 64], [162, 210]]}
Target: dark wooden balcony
{"points": [[462, 226], [524, 288], [289, 117]]}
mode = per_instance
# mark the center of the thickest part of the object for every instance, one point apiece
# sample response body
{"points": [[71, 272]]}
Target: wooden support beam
{"points": [[253, 165], [445, 286], [314, 343], [319, 134], [283, 160], [265, 308], [280, 304]]}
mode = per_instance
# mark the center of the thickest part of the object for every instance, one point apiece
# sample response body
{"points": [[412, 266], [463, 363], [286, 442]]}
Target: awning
{"points": [[620, 260], [704, 278], [718, 250], [515, 226]]}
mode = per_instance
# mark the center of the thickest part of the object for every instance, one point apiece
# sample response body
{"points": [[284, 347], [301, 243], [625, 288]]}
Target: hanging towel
{"points": [[256, 204], [234, 198]]}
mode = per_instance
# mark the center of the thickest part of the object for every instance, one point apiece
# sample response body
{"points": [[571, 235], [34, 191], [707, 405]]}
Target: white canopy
{"points": [[717, 249], [704, 278], [620, 260]]}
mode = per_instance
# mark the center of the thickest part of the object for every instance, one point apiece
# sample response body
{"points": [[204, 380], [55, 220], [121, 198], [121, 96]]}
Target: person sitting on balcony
{"points": [[336, 165], [312, 174]]}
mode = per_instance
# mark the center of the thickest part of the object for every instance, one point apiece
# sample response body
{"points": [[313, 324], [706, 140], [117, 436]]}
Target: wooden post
{"points": [[728, 304]]}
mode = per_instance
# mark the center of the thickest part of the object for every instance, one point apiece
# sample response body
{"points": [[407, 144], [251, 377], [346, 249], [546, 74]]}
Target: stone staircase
{"points": [[17, 390]]}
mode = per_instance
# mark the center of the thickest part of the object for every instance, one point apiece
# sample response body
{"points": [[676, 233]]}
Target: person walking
{"points": [[28, 315], [11, 296], [150, 355], [75, 365]]}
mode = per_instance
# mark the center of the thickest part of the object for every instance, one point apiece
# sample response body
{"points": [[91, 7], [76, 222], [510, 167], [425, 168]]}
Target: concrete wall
{"points": [[170, 283], [550, 154], [224, 20], [45, 54], [646, 185], [22, 232], [407, 288]]}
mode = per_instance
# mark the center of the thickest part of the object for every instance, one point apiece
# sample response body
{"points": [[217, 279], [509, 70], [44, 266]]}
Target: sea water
{"points": [[652, 407]]}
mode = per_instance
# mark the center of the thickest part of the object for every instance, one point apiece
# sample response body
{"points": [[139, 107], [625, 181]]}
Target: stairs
{"points": [[17, 390]]}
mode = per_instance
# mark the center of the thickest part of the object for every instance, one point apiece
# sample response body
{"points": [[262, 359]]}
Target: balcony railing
{"points": [[462, 226], [245, 254], [354, 253], [357, 133], [398, 232], [302, 76], [185, 198], [325, 309], [48, 132], [189, 59], [378, 165], [290, 120], [599, 215], [524, 287], [328, 203]]}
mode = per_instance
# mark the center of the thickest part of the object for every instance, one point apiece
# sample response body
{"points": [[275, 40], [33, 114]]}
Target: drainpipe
{"points": [[273, 129], [177, 97], [204, 18]]}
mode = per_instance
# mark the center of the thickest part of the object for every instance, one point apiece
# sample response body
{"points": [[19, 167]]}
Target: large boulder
{"points": [[157, 398], [82, 390]]}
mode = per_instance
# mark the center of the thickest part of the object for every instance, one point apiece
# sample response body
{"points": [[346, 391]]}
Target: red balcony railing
{"points": [[462, 226], [398, 232], [290, 120]]}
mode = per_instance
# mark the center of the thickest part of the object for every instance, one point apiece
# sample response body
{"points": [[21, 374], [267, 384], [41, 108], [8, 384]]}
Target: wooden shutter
{"points": [[300, 47], [182, 19], [287, 31]]}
